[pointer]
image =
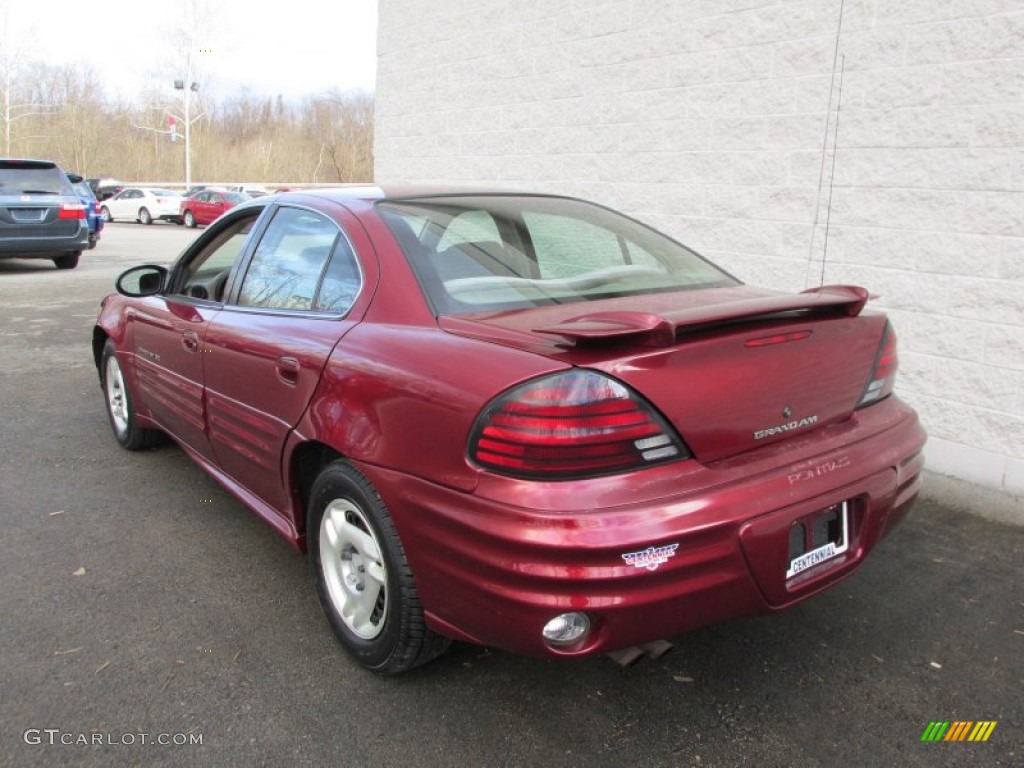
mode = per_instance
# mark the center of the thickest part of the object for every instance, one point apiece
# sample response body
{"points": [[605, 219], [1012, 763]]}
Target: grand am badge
{"points": [[651, 557]]}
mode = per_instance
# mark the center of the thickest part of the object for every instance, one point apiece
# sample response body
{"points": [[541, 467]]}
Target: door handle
{"points": [[190, 341], [288, 370]]}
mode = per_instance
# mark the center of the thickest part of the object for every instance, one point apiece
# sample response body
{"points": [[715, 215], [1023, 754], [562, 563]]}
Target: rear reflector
{"points": [[573, 424]]}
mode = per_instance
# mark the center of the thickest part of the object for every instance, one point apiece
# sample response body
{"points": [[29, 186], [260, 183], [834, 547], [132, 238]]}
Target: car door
{"points": [[124, 205], [167, 333], [269, 345], [197, 204], [211, 207]]}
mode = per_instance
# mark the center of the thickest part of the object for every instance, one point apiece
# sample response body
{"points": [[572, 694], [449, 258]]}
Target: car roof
{"points": [[15, 162], [372, 192]]}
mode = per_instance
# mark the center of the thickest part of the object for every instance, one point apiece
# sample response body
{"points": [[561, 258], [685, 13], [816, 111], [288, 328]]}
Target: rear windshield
{"points": [[478, 253], [32, 178]]}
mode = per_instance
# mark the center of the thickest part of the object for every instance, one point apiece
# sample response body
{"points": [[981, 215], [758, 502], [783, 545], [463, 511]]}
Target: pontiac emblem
{"points": [[787, 412]]}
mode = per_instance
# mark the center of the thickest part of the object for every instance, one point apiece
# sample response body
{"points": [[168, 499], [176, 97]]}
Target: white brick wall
{"points": [[706, 118]]}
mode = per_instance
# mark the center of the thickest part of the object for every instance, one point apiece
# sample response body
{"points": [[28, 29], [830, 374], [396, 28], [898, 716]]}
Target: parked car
{"points": [[92, 207], [142, 204], [104, 188], [205, 206], [41, 217], [252, 190], [524, 421], [196, 188]]}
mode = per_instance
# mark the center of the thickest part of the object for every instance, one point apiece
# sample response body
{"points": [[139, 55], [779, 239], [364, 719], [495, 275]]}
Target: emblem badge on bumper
{"points": [[651, 557]]}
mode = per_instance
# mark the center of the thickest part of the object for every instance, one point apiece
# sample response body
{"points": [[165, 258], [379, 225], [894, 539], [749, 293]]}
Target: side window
{"points": [[207, 273], [289, 261], [566, 247], [469, 227], [341, 280]]}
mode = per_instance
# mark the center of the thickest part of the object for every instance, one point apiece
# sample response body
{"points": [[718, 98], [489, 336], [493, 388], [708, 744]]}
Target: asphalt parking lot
{"points": [[139, 598]]}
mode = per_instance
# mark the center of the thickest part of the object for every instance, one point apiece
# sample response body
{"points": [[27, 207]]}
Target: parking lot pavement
{"points": [[139, 598]]}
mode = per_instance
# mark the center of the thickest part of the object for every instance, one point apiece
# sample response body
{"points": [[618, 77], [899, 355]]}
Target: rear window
{"points": [[32, 177], [477, 253]]}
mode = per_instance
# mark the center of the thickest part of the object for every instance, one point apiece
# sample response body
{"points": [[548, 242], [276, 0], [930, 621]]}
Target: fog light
{"points": [[566, 629]]}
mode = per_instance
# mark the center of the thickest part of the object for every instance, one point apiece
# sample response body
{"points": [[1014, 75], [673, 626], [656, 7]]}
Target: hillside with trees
{"points": [[61, 113]]}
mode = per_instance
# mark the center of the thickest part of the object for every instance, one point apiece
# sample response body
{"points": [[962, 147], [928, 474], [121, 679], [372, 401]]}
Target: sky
{"points": [[301, 48]]}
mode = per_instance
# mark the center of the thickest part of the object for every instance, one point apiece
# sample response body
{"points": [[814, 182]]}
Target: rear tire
{"points": [[145, 216], [190, 220], [67, 260], [105, 213], [362, 576], [120, 408]]}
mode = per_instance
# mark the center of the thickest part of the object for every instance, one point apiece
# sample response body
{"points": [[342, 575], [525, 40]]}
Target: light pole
{"points": [[192, 87]]}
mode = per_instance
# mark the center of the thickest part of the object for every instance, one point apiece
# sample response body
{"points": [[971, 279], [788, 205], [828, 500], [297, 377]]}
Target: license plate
{"points": [[828, 535], [28, 214]]}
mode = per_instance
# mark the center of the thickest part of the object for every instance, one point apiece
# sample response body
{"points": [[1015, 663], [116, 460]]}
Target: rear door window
{"points": [[290, 262]]}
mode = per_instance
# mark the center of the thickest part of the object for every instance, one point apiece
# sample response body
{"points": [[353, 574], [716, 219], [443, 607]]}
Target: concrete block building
{"points": [[794, 142]]}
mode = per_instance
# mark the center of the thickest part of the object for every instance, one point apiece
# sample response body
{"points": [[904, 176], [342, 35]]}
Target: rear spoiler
{"points": [[659, 330]]}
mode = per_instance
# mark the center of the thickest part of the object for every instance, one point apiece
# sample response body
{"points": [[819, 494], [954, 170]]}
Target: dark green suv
{"points": [[41, 217]]}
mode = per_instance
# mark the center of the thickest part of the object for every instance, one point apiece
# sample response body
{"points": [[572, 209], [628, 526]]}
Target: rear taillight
{"points": [[883, 373], [71, 211], [569, 425]]}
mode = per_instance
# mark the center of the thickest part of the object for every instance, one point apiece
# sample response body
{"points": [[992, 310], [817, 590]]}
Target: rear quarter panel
{"points": [[405, 397]]}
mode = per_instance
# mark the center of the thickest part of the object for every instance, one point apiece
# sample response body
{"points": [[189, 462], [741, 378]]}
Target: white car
{"points": [[252, 190], [144, 204]]}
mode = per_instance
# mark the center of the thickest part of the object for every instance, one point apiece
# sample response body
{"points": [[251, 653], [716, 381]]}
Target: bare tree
{"points": [[76, 130], [341, 127], [14, 46]]}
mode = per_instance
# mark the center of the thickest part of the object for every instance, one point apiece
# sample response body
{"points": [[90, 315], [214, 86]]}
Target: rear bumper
{"points": [[494, 566], [44, 246]]}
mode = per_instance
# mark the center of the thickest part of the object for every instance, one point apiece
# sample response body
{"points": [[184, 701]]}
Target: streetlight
{"points": [[193, 87]]}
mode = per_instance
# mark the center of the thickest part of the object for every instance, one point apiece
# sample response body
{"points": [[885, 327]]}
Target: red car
{"points": [[523, 421], [205, 206]]}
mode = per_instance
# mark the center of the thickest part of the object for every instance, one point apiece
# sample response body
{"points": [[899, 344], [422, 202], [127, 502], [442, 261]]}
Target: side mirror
{"points": [[147, 280]]}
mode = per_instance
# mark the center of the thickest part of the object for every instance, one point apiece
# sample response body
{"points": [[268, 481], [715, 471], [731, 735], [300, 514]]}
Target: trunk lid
{"points": [[732, 369]]}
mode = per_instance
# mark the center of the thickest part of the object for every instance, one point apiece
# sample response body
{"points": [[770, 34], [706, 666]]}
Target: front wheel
{"points": [[144, 216], [105, 213], [190, 220], [362, 576], [120, 408]]}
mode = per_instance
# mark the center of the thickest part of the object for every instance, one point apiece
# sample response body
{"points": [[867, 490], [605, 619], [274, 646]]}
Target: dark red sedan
{"points": [[206, 205], [523, 421]]}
